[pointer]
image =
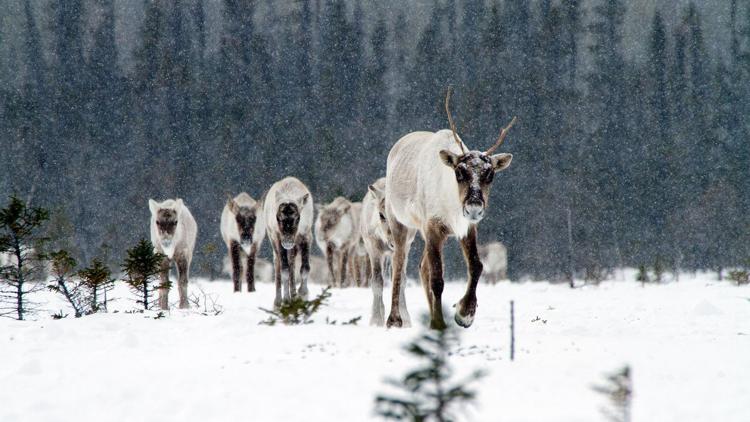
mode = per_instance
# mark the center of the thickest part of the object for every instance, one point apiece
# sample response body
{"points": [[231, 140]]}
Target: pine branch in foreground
{"points": [[429, 392], [619, 392], [298, 310]]}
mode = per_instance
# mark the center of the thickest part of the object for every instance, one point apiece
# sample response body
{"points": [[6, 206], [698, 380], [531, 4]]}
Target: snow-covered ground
{"points": [[688, 344]]}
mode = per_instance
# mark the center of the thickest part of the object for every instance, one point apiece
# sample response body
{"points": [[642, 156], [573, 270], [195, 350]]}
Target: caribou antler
{"points": [[501, 138], [450, 120]]}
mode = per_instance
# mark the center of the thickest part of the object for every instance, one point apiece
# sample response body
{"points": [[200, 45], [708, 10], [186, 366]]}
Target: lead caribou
{"points": [[436, 186]]}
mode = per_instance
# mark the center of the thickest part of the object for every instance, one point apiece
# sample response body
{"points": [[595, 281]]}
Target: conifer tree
{"points": [[98, 279], [141, 268], [63, 266], [20, 234]]}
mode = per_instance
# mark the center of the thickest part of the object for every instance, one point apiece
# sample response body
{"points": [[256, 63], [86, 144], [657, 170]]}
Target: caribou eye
{"points": [[460, 176], [382, 217], [487, 176]]}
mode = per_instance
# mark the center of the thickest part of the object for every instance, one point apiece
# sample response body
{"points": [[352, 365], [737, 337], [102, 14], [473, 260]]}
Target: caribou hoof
{"points": [[302, 292], [277, 303], [377, 321], [250, 288], [464, 321], [465, 313], [394, 321]]}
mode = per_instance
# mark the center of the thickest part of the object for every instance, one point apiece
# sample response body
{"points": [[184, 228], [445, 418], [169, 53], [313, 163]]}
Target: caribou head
{"points": [[385, 230], [245, 216], [288, 215], [474, 170], [335, 220], [166, 215]]}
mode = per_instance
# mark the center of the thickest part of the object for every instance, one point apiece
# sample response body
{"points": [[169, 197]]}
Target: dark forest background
{"points": [[648, 160]]}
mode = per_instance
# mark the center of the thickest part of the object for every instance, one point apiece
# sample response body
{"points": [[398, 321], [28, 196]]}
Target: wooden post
{"points": [[570, 249], [512, 332]]}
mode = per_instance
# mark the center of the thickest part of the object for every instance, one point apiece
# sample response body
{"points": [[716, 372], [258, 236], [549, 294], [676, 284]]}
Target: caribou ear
{"points": [[179, 204], [153, 206], [345, 209], [449, 159], [501, 161], [233, 208], [304, 199], [378, 193]]}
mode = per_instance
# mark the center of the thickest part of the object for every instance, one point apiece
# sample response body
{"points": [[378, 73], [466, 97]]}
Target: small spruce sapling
{"points": [[63, 266], [141, 268], [642, 275], [429, 392], [298, 310], [20, 232], [619, 392], [98, 279]]}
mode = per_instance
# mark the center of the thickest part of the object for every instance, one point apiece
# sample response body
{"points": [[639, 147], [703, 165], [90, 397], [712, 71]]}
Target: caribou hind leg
{"points": [[467, 306], [183, 267], [249, 271], [164, 283], [436, 234], [402, 238]]}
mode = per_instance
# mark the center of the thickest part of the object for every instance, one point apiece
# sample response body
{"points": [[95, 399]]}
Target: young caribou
{"points": [[359, 265], [243, 229], [336, 235], [288, 212], [173, 232], [436, 186], [376, 235], [494, 257]]}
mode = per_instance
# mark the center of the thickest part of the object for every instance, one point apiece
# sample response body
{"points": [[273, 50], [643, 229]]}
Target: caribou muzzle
{"points": [[246, 244], [287, 242]]}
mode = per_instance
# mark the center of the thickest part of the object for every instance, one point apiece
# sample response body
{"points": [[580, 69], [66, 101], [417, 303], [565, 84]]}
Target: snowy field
{"points": [[688, 345]]}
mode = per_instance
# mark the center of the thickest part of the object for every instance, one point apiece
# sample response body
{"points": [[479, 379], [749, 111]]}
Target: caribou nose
{"points": [[474, 211], [287, 244], [246, 246]]}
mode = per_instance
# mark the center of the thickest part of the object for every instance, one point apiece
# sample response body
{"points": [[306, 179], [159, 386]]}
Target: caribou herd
{"points": [[434, 185]]}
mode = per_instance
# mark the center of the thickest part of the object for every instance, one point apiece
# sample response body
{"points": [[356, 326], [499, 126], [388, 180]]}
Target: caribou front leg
{"points": [[285, 271], [277, 272], [304, 271], [183, 267], [292, 258], [164, 284], [250, 270], [234, 256], [467, 306], [329, 260], [378, 308]]}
